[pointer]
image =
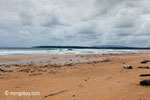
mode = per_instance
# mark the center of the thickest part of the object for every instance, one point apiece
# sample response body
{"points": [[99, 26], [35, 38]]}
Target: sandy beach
{"points": [[97, 77]]}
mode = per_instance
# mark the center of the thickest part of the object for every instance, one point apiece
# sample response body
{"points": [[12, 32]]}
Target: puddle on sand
{"points": [[41, 60]]}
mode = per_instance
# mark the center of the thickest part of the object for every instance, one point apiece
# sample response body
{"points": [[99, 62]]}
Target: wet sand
{"points": [[101, 77]]}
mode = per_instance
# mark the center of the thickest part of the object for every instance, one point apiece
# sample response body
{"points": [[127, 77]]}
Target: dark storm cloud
{"points": [[74, 22]]}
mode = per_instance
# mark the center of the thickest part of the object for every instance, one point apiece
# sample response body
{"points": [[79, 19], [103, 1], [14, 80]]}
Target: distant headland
{"points": [[91, 47]]}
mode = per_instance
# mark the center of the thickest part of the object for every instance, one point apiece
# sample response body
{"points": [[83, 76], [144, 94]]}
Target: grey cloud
{"points": [[74, 22], [127, 18]]}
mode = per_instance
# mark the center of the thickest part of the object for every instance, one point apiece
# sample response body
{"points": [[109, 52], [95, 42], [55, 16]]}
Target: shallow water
{"points": [[41, 60]]}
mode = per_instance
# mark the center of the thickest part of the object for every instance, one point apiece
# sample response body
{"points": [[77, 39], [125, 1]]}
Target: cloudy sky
{"points": [[74, 22]]}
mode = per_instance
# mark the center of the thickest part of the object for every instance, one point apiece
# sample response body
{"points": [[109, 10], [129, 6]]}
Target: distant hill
{"points": [[92, 47], [109, 46]]}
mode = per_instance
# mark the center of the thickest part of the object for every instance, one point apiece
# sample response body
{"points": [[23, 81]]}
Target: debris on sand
{"points": [[80, 85], [106, 60], [145, 61], [56, 65], [145, 83], [2, 70], [86, 79], [35, 74], [7, 66], [52, 72], [46, 66], [70, 64], [73, 95], [144, 67], [145, 75], [55, 93], [127, 67], [15, 65], [24, 70]]}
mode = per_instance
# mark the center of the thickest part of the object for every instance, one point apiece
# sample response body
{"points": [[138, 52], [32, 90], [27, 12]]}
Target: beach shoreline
{"points": [[99, 77]]}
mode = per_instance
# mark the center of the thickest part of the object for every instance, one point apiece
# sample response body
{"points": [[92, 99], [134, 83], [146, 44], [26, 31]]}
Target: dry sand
{"points": [[106, 80]]}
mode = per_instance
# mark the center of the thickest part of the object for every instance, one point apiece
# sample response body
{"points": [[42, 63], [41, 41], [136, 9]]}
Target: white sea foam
{"points": [[14, 52]]}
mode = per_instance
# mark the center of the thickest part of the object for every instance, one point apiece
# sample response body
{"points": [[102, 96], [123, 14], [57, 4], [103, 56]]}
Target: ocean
{"points": [[19, 52]]}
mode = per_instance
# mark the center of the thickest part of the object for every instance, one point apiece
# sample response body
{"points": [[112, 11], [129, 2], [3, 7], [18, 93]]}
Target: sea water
{"points": [[18, 52]]}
